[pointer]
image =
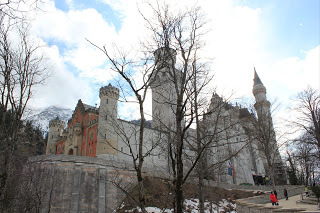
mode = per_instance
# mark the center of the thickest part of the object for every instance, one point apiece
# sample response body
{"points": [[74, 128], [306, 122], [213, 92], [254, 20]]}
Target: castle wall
{"points": [[80, 184], [60, 147], [128, 141], [91, 141]]}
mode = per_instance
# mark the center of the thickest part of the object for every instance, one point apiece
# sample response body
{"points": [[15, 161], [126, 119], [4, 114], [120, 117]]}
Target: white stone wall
{"points": [[154, 146]]}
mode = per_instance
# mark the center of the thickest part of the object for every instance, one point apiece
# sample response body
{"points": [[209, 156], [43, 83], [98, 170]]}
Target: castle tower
{"points": [[163, 89], [262, 105], [108, 112], [56, 127]]}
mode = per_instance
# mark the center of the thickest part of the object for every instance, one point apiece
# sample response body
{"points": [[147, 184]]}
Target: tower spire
{"points": [[256, 79]]}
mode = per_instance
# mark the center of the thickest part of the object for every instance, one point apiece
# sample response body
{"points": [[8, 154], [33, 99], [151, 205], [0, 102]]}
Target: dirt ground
{"points": [[159, 193]]}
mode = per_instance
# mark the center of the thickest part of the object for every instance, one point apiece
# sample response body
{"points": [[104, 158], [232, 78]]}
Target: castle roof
{"points": [[256, 79], [244, 112], [86, 107]]}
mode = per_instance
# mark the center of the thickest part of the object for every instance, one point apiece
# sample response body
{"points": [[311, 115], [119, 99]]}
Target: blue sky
{"points": [[291, 24], [279, 37]]}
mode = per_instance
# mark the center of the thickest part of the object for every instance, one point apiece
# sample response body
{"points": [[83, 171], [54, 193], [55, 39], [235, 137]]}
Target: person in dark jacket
{"points": [[285, 193]]}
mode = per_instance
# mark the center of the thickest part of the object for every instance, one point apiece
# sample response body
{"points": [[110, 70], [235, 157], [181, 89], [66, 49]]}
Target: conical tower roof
{"points": [[256, 79]]}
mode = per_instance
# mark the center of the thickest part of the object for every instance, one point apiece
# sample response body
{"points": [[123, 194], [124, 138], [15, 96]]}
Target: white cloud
{"points": [[62, 88], [295, 74]]}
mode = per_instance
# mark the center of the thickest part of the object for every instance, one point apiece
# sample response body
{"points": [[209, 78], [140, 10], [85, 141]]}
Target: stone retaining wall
{"points": [[80, 184], [83, 184]]}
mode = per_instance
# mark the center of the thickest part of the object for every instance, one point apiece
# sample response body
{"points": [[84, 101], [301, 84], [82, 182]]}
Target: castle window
{"points": [[106, 117], [90, 152], [82, 152], [51, 136], [91, 135], [107, 101]]}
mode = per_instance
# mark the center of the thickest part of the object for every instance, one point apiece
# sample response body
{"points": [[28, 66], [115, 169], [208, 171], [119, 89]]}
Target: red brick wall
{"points": [[88, 140], [60, 147], [92, 141]]}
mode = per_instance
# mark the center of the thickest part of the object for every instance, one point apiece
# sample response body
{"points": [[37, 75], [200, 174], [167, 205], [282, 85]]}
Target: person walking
{"points": [[285, 193], [273, 199]]}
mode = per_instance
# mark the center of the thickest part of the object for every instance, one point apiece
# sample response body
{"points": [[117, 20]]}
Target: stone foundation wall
{"points": [[83, 184], [80, 184]]}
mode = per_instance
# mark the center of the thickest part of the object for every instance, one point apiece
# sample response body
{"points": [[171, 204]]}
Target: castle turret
{"points": [[56, 127], [262, 105], [108, 112], [163, 89]]}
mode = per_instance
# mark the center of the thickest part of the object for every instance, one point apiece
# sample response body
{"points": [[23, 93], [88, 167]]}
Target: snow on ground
{"points": [[192, 205]]}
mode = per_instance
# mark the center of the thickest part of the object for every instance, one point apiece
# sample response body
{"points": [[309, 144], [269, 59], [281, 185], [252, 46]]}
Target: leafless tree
{"points": [[18, 9], [123, 65], [306, 154], [308, 119], [180, 34], [263, 132], [22, 66]]}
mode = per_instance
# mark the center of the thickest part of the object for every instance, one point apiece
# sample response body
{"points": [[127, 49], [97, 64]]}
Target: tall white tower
{"points": [[163, 89], [262, 105], [56, 127], [107, 129]]}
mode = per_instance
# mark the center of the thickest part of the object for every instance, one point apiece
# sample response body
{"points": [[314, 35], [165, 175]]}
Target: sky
{"points": [[280, 38]]}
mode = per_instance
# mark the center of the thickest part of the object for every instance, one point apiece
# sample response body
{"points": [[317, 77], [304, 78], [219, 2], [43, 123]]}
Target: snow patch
{"points": [[192, 206]]}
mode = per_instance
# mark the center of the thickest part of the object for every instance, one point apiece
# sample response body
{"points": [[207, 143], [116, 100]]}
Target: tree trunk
{"points": [[272, 177], [179, 179], [201, 186]]}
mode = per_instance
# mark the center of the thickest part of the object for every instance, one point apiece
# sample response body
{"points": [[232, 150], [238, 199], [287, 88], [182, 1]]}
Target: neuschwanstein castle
{"points": [[97, 132]]}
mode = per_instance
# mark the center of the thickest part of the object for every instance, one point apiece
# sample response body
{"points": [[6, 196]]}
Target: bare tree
{"points": [[22, 66], [123, 65], [18, 9], [306, 155], [180, 35], [292, 169], [308, 119], [264, 135]]}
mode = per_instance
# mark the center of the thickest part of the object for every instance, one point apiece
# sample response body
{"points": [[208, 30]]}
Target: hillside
{"points": [[160, 197]]}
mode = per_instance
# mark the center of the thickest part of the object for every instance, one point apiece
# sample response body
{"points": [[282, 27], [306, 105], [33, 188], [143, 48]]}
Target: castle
{"points": [[97, 132]]}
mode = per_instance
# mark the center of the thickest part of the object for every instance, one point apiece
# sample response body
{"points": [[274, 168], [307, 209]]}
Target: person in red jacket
{"points": [[273, 199]]}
